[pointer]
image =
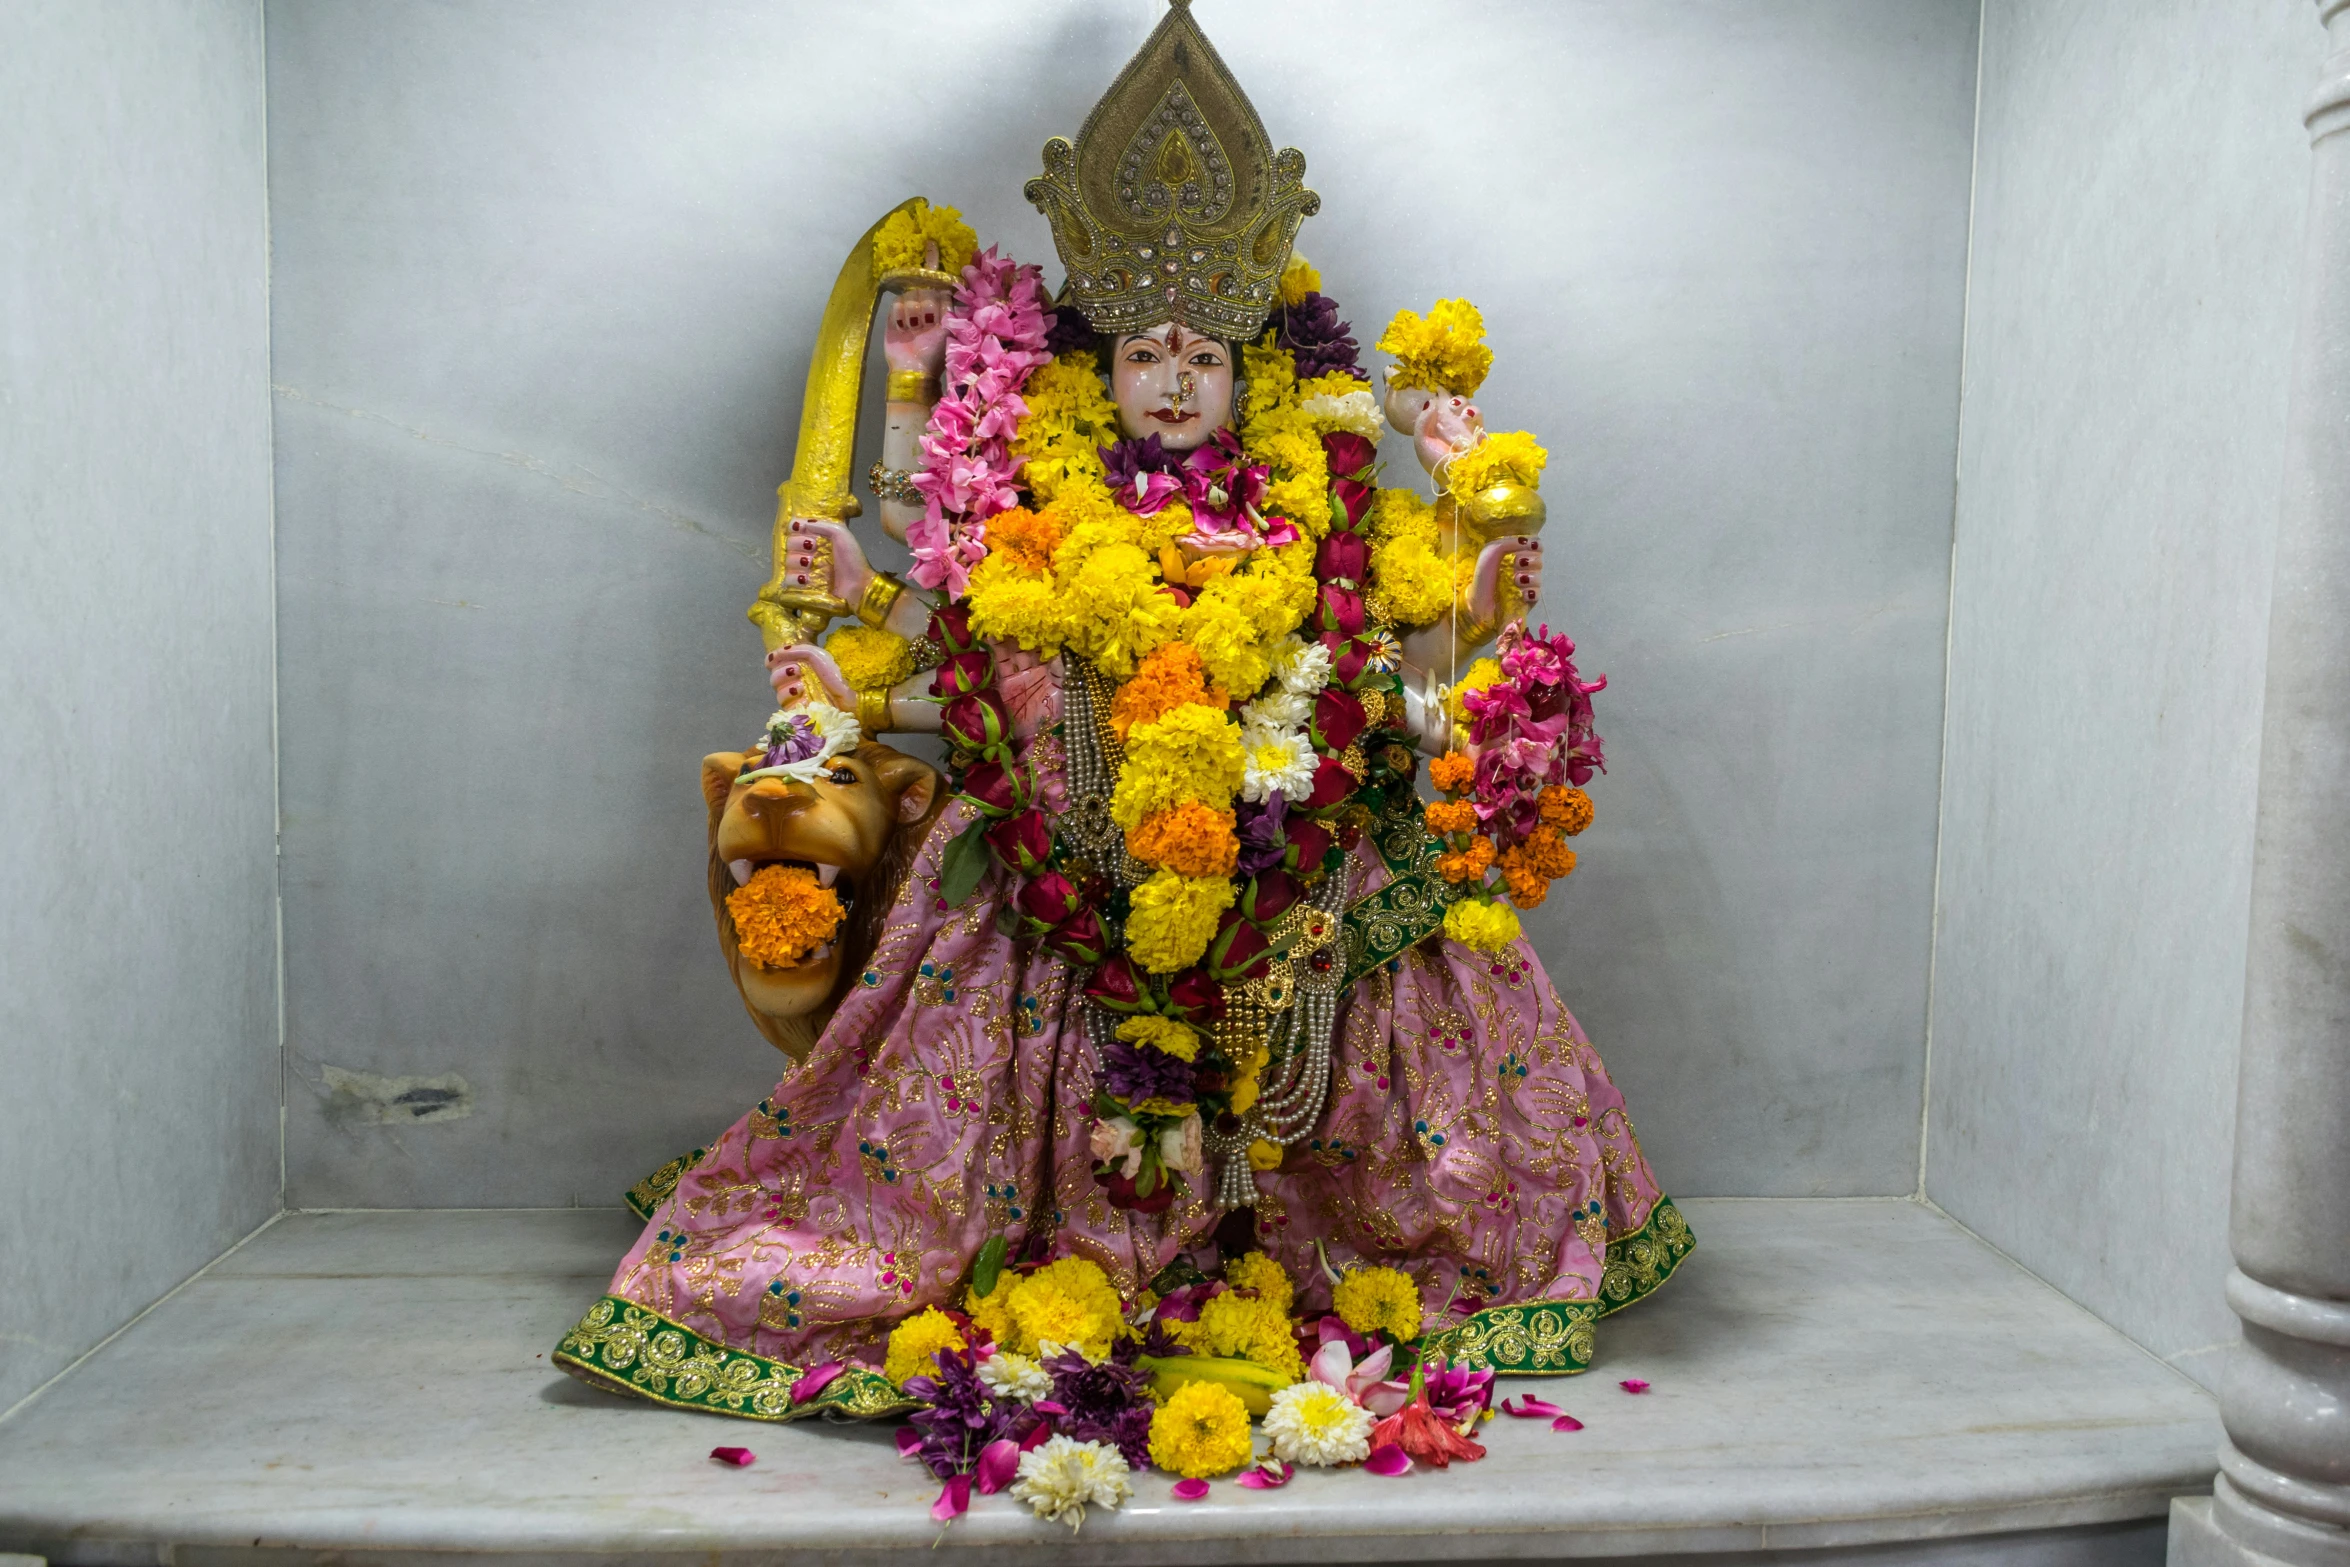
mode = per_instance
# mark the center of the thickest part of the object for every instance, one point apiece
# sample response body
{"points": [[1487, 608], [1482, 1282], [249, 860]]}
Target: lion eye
{"points": [[843, 777]]}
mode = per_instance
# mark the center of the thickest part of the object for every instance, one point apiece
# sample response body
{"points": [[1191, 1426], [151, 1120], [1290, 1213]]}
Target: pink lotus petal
{"points": [[1388, 1460], [1530, 1408], [1190, 1490], [1045, 1406], [1385, 1398], [1566, 1423], [999, 1461], [1264, 1477], [908, 1440], [954, 1499], [739, 1457], [817, 1380], [1633, 1385]]}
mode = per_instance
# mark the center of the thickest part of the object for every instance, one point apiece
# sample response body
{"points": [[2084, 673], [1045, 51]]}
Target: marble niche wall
{"points": [[545, 281], [2141, 178], [138, 936]]}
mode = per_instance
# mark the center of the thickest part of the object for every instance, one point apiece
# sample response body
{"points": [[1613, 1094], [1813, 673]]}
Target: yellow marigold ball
{"points": [[914, 1345], [1298, 279], [871, 659], [1201, 1431], [993, 1311], [781, 914], [1379, 1300], [1414, 582], [905, 236], [1258, 1272], [1443, 351], [1481, 926], [1172, 919], [1042, 1300], [1191, 839], [1179, 1040], [1400, 514], [1192, 753], [1511, 455], [1251, 1327]]}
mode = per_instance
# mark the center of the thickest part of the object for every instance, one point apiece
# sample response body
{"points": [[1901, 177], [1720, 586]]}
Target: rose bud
{"points": [[1116, 986], [996, 789], [976, 721], [1195, 997], [1342, 610], [1240, 951], [1343, 556], [951, 628], [1332, 784], [1338, 718], [1121, 1193], [1308, 843], [1347, 453], [961, 672], [1078, 938], [1023, 842], [1269, 896], [1354, 497], [1048, 900], [1349, 657]]}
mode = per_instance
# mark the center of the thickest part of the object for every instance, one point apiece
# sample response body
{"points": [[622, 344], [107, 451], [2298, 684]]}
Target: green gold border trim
{"points": [[1410, 908], [633, 1349], [654, 1189], [1553, 1338]]}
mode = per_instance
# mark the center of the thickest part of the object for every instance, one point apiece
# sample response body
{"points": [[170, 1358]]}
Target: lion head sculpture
{"points": [[856, 825]]}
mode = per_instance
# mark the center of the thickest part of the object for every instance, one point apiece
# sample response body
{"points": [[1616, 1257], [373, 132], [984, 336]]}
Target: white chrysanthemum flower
{"points": [[1301, 666], [1280, 759], [1060, 1478], [1015, 1376], [1281, 709], [1357, 412], [1315, 1424], [839, 731]]}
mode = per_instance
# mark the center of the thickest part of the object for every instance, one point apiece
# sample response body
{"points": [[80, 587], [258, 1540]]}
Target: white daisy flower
{"points": [[1277, 759], [1301, 666], [1356, 412], [1060, 1478], [1015, 1376], [1315, 1424], [840, 730]]}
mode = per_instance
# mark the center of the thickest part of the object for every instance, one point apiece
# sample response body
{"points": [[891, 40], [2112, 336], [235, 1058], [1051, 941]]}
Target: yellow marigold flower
{"points": [[1512, 455], [1258, 1272], [1569, 810], [1400, 514], [781, 914], [1069, 419], [1117, 610], [1453, 771], [1191, 839], [914, 1345], [1481, 926], [1173, 917], [1179, 1040], [1298, 279], [1412, 581], [1066, 1302], [993, 1311], [904, 235], [871, 659], [1444, 351], [1476, 677], [1010, 603], [1379, 1300], [1191, 753], [1201, 1431], [1253, 1328]]}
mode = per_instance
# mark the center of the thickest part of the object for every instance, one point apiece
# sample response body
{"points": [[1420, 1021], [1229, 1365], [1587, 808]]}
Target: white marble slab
{"points": [[1824, 1374]]}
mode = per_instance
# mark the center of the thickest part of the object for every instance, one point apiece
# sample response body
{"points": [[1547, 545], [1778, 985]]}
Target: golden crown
{"points": [[1173, 205]]}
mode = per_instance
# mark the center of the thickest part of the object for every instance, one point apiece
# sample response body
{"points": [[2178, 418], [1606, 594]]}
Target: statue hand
{"points": [[825, 557], [802, 674], [1520, 559], [1445, 427], [915, 335]]}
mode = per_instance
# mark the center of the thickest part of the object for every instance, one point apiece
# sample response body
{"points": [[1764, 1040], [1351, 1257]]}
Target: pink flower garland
{"points": [[1530, 729], [995, 341]]}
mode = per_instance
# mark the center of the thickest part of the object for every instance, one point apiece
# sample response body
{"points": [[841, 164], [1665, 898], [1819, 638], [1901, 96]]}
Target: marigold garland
{"points": [[1173, 917], [1511, 455], [781, 915], [1170, 677], [1193, 838]]}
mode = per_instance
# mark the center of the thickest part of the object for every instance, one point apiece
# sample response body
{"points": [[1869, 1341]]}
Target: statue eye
{"points": [[842, 777]]}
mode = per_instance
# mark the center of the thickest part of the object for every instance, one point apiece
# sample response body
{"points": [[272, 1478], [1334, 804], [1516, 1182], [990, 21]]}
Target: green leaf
{"points": [[988, 1268], [963, 864]]}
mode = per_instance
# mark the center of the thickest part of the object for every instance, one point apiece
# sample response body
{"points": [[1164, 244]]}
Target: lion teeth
{"points": [[742, 871], [826, 875]]}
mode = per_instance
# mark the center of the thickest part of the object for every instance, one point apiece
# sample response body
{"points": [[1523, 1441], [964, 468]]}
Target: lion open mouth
{"points": [[787, 912]]}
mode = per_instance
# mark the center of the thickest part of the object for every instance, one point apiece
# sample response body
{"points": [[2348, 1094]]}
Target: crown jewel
{"points": [[1173, 204]]}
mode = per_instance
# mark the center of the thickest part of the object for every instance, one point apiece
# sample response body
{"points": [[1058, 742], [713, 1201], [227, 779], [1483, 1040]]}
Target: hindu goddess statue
{"points": [[1174, 978]]}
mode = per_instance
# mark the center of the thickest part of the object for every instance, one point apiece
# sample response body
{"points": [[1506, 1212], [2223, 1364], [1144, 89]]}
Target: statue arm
{"points": [[1506, 583]]}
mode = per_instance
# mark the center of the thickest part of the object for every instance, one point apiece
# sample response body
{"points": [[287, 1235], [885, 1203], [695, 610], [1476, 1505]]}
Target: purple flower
{"points": [[1138, 1072], [1109, 1402], [1261, 835], [1142, 474], [1066, 328], [963, 1416], [1311, 330]]}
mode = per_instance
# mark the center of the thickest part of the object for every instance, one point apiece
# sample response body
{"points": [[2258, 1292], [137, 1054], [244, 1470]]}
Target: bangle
{"points": [[912, 386], [873, 710], [893, 484], [881, 595]]}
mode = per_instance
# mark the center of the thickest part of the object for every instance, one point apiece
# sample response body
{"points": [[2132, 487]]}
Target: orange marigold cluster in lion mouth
{"points": [[782, 914], [1190, 839]]}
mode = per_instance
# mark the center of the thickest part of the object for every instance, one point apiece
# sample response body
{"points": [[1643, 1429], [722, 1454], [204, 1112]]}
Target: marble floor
{"points": [[1825, 1376]]}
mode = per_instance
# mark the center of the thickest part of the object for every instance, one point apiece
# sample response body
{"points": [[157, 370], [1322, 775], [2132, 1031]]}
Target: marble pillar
{"points": [[2283, 1491]]}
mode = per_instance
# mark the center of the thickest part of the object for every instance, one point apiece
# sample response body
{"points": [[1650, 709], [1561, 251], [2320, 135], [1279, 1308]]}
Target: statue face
{"points": [[1173, 384]]}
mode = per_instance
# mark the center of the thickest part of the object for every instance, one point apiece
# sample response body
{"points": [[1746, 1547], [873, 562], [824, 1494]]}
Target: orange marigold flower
{"points": [[1453, 866], [1452, 772], [1190, 839], [1169, 677], [1025, 537], [1569, 810], [781, 915], [1444, 816], [1527, 888], [1480, 855]]}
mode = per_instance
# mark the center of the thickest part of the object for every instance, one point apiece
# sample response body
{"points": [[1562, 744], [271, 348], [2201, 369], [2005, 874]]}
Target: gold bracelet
{"points": [[881, 595], [873, 710], [912, 386]]}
